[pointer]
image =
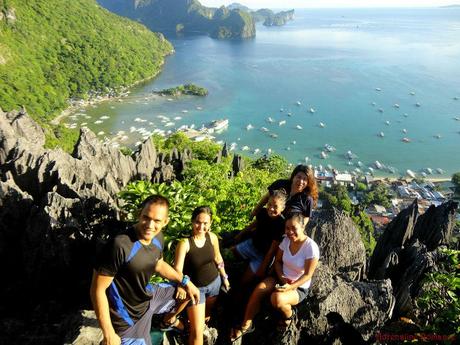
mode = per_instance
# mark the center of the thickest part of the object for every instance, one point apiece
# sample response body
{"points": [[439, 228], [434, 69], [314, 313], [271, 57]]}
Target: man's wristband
{"points": [[185, 280]]}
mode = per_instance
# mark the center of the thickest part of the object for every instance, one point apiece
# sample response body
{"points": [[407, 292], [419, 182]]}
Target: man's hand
{"points": [[193, 292], [111, 338]]}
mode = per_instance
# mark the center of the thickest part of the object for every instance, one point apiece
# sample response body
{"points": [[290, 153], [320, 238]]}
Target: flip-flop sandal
{"points": [[172, 326], [243, 331]]}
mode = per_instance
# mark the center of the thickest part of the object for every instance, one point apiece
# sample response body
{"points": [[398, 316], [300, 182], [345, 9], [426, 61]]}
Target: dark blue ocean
{"points": [[362, 71]]}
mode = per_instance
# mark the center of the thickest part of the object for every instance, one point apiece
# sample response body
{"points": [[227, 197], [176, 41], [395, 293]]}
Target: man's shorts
{"points": [[248, 252], [162, 302], [210, 290]]}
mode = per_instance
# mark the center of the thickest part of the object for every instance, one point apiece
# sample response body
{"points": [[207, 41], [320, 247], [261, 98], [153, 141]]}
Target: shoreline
{"points": [[81, 103]]}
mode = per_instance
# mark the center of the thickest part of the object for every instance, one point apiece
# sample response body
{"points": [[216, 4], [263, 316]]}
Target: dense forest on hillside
{"points": [[54, 50]]}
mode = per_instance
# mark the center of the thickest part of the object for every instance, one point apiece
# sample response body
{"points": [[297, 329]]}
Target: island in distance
{"points": [[183, 17]]}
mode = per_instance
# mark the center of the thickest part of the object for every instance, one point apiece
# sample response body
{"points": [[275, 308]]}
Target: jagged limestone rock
{"points": [[397, 232], [340, 243]]}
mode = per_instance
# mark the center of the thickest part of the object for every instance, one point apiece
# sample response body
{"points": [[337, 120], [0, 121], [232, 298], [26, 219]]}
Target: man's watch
{"points": [[185, 280]]}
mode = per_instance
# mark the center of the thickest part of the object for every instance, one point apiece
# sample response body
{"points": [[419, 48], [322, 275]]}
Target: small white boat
{"points": [[418, 104], [456, 98], [245, 148], [177, 118], [438, 136], [404, 130], [249, 127], [169, 124], [233, 146], [289, 114], [199, 108], [281, 110], [306, 159], [298, 103], [391, 170], [185, 111], [360, 164], [406, 114], [371, 169], [281, 123], [273, 135], [423, 174], [299, 127], [396, 105], [373, 104], [387, 123], [256, 151], [350, 155], [457, 118], [378, 89], [288, 148], [381, 134], [439, 171], [412, 93], [405, 140], [293, 142], [269, 150], [270, 120], [264, 129], [410, 173], [429, 171], [322, 125], [378, 165], [312, 110], [329, 148], [323, 155]]}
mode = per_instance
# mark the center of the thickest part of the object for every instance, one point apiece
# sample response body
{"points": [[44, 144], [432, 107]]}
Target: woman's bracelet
{"points": [[220, 265], [225, 276], [185, 280]]}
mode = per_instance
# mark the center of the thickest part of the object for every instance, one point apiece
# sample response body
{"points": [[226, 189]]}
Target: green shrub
{"points": [[440, 302]]}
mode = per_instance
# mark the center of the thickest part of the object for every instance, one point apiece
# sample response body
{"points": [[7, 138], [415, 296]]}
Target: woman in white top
{"points": [[295, 262]]}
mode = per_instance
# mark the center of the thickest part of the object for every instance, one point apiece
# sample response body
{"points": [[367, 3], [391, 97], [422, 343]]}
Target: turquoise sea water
{"points": [[329, 60]]}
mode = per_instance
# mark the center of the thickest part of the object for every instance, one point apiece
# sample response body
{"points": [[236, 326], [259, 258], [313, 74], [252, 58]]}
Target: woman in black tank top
{"points": [[199, 257]]}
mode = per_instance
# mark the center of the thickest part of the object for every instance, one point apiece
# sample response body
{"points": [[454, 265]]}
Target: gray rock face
{"points": [[340, 244], [398, 231], [406, 250], [56, 206]]}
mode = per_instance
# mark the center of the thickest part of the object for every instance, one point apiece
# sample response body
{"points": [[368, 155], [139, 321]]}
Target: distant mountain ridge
{"points": [[266, 15], [185, 16]]}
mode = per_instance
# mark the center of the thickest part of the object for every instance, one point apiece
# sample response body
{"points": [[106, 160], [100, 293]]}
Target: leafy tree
{"points": [[456, 180], [379, 194], [274, 164]]}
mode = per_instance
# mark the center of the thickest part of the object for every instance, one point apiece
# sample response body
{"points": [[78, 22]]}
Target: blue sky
{"points": [[331, 3]]}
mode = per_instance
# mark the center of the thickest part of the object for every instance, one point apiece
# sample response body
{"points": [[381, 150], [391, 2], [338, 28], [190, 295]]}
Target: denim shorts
{"points": [[248, 252], [302, 292], [210, 290]]}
